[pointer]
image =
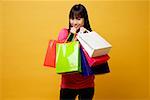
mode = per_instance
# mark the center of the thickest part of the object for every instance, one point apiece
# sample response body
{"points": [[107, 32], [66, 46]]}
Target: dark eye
{"points": [[78, 18]]}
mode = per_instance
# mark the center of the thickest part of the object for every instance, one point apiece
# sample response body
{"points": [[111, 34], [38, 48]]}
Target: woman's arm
{"points": [[63, 34]]}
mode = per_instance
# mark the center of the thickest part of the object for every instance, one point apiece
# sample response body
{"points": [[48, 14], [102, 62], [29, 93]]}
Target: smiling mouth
{"points": [[77, 26]]}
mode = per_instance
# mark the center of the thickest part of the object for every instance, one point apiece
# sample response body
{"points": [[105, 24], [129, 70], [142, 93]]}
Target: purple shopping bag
{"points": [[86, 69]]}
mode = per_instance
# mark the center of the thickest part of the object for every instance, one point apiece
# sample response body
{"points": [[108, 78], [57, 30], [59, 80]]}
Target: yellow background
{"points": [[27, 26]]}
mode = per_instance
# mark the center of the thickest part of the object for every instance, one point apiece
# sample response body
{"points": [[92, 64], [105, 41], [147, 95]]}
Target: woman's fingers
{"points": [[82, 29], [73, 30]]}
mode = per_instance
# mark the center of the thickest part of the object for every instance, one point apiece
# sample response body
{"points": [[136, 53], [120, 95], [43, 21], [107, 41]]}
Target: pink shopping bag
{"points": [[94, 61]]}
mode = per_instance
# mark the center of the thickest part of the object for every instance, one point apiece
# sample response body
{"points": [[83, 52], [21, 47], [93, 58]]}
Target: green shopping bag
{"points": [[68, 57]]}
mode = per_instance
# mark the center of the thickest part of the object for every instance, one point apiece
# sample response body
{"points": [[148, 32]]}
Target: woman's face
{"points": [[77, 23]]}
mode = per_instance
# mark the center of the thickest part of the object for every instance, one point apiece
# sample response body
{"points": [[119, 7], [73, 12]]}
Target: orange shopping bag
{"points": [[50, 54]]}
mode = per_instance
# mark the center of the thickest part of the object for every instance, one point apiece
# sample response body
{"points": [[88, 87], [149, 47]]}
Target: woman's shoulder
{"points": [[63, 34], [64, 30]]}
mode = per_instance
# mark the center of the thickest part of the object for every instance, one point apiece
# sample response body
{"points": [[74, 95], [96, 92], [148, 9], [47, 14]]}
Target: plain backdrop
{"points": [[27, 26]]}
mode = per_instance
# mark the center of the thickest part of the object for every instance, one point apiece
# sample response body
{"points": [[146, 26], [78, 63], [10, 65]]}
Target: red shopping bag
{"points": [[94, 61], [50, 54]]}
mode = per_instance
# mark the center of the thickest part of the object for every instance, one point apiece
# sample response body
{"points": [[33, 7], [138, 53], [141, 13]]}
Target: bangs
{"points": [[76, 13]]}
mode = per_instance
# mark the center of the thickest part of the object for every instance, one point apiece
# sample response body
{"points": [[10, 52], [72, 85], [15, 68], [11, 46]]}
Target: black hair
{"points": [[79, 11]]}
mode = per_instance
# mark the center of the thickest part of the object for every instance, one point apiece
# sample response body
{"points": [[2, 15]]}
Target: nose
{"points": [[75, 22]]}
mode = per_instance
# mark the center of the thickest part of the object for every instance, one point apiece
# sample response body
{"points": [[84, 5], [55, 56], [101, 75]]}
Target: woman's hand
{"points": [[82, 29], [73, 30]]}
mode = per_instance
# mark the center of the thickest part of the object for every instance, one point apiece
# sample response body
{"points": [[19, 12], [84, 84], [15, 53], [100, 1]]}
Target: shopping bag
{"points": [[93, 61], [86, 69], [94, 44], [50, 54], [101, 69], [68, 57]]}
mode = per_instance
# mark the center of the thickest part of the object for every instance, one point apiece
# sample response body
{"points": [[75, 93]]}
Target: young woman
{"points": [[74, 84]]}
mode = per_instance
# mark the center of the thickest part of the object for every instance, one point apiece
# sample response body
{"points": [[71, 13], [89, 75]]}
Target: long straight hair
{"points": [[79, 11]]}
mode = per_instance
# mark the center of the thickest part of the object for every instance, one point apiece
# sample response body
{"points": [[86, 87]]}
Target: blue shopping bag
{"points": [[86, 69]]}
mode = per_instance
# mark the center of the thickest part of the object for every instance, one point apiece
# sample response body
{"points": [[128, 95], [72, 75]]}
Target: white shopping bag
{"points": [[94, 44]]}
